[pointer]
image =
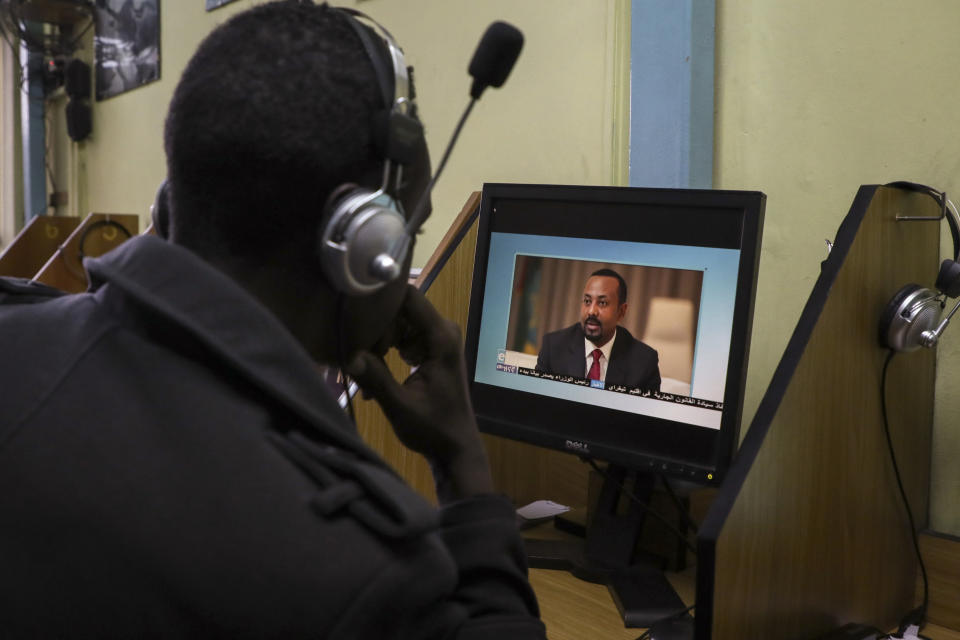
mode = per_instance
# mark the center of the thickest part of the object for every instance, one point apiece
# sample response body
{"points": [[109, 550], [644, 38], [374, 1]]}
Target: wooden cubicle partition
{"points": [[94, 236], [521, 471], [941, 555], [34, 245], [808, 531]]}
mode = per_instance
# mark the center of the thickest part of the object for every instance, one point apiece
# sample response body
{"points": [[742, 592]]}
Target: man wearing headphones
{"points": [[597, 347], [171, 462]]}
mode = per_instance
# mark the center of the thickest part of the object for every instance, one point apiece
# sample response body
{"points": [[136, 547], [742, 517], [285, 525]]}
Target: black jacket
{"points": [[171, 465], [632, 363]]}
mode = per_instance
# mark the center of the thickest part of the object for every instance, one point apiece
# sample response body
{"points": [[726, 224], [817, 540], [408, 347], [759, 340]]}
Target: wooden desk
{"points": [[576, 610]]}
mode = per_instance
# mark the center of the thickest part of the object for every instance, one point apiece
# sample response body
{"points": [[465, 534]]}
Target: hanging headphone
{"points": [[912, 317], [361, 229]]}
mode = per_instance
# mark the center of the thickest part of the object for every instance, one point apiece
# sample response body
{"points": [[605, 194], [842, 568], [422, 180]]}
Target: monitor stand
{"points": [[607, 554]]}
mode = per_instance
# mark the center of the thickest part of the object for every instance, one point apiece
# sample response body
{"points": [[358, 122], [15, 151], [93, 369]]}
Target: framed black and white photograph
{"points": [[127, 44], [213, 4]]}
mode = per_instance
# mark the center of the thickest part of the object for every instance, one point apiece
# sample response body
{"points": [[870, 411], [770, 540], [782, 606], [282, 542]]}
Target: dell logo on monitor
{"points": [[580, 447]]}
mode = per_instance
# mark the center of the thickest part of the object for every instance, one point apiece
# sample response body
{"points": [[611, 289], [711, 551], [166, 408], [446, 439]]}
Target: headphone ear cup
{"points": [[357, 237], [911, 311], [948, 279], [402, 137], [160, 211]]}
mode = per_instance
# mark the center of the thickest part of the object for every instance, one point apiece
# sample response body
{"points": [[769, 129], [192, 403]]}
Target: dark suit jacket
{"points": [[632, 363]]}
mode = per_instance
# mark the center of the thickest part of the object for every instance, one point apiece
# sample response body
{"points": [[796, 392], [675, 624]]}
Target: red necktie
{"points": [[594, 373]]}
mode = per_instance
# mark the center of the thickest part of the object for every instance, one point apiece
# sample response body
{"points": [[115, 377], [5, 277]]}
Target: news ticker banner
{"points": [[616, 388]]}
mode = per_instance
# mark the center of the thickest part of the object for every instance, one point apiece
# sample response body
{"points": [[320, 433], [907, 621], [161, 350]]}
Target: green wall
{"points": [[118, 169], [551, 122]]}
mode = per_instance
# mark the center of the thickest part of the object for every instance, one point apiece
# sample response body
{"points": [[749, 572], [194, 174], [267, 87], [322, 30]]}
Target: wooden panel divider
{"points": [[34, 245], [941, 556], [94, 236], [808, 531]]}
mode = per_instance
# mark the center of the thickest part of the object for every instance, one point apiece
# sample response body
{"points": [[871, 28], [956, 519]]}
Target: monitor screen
{"points": [[660, 281]]}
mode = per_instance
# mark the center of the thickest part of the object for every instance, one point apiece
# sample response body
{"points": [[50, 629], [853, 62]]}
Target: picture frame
{"points": [[126, 45]]}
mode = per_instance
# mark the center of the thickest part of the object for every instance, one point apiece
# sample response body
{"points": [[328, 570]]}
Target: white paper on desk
{"points": [[542, 509]]}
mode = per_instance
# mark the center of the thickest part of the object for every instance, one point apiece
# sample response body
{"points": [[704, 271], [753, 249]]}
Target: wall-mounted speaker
{"points": [[79, 120], [77, 79]]}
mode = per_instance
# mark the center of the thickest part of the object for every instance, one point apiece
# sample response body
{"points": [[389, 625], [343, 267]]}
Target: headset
{"points": [[912, 317], [362, 240]]}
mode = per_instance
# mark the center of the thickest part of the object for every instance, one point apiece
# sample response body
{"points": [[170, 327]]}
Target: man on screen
{"points": [[596, 347]]}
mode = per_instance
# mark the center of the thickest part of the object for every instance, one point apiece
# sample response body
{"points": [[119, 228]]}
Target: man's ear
{"points": [[621, 311]]}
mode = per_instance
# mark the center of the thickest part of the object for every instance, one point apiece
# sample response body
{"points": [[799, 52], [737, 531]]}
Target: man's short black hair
{"points": [[272, 113], [621, 283]]}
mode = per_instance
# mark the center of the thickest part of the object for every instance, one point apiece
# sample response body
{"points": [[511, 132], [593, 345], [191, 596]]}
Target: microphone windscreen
{"points": [[495, 56]]}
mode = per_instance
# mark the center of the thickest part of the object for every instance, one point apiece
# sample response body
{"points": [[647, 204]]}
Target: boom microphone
{"points": [[495, 56], [491, 64]]}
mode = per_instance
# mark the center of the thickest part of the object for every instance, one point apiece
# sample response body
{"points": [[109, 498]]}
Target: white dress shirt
{"points": [[604, 359]]}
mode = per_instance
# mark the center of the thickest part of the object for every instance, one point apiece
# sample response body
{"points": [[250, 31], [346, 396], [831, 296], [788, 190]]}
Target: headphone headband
{"points": [[402, 98]]}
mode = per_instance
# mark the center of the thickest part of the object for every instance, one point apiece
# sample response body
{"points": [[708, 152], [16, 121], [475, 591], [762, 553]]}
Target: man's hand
{"points": [[431, 411]]}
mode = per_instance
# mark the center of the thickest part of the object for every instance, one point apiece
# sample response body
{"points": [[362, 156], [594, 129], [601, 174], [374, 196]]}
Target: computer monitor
{"points": [[670, 400]]}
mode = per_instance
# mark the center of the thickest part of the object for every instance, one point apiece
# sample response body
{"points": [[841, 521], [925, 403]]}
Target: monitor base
{"points": [[608, 552], [643, 594]]}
